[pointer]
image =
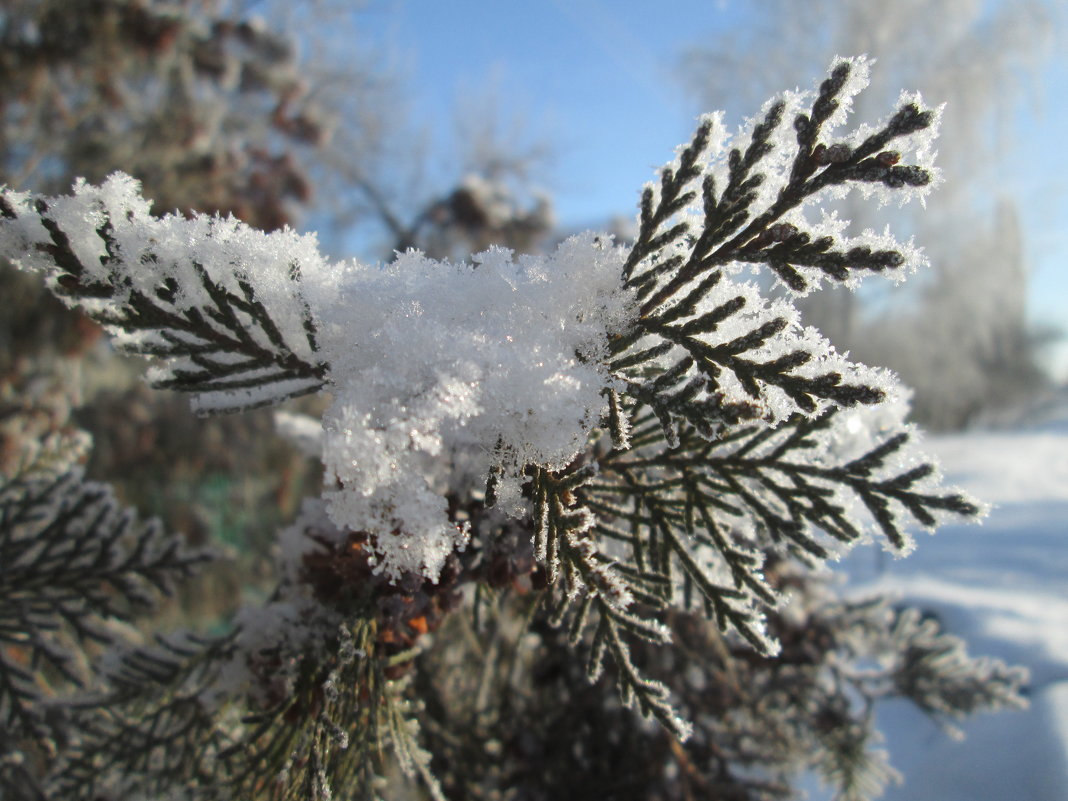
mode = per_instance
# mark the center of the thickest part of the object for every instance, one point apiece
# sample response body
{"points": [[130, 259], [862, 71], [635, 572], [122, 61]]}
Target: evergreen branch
{"points": [[784, 248], [782, 479], [136, 674], [218, 325], [608, 595], [153, 747], [326, 736], [933, 670], [672, 198], [732, 231], [159, 727], [689, 512], [755, 375], [672, 515], [693, 316], [72, 558], [695, 505], [648, 696]]}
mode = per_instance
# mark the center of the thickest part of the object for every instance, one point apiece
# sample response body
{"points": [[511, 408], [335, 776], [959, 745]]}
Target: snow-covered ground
{"points": [[1003, 587]]}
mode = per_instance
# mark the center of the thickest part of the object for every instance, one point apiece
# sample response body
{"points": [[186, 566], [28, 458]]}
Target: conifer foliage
{"points": [[612, 449], [75, 565]]}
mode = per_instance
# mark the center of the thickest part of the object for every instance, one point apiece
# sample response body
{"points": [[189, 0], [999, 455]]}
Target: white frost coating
{"points": [[148, 251], [503, 356], [249, 398], [829, 223], [286, 626], [921, 152], [857, 82], [309, 533]]}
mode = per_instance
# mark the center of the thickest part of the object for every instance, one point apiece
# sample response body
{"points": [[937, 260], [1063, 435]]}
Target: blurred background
{"points": [[451, 126]]}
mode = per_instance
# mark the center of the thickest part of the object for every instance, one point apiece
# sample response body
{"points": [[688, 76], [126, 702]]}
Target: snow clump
{"points": [[504, 356]]}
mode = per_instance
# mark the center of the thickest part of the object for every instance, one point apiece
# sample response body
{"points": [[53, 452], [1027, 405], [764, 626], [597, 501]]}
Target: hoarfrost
{"points": [[430, 362]]}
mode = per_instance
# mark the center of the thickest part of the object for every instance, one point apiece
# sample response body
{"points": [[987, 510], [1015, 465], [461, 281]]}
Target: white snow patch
{"points": [[504, 357], [1002, 587]]}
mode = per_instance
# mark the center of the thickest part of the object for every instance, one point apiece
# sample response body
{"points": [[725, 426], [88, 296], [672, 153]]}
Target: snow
{"points": [[503, 357], [1003, 587]]}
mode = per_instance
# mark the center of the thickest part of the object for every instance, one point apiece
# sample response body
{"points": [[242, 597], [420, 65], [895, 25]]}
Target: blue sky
{"points": [[592, 79], [598, 82]]}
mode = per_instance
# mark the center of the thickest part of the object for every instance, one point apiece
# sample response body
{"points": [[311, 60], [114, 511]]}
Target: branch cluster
{"points": [[658, 443]]}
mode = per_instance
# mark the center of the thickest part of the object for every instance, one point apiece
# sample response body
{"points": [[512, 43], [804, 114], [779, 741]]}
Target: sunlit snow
{"points": [[1003, 587]]}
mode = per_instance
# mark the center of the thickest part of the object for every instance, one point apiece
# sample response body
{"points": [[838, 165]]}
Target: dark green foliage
{"points": [[674, 265], [692, 526], [152, 728], [73, 560], [320, 732], [707, 479], [75, 570], [524, 726], [220, 349], [562, 540]]}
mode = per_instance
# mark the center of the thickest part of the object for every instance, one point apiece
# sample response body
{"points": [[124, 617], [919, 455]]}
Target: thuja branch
{"points": [[725, 470], [606, 596], [815, 167], [709, 351], [771, 477], [72, 559], [218, 306], [674, 197], [777, 371]]}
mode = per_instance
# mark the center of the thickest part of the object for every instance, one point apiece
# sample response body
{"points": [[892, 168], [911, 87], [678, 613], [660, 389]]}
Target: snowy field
{"points": [[1003, 587]]}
